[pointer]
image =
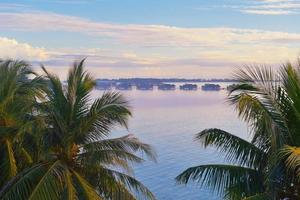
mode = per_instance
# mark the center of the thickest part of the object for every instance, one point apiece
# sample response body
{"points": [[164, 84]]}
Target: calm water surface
{"points": [[169, 120]]}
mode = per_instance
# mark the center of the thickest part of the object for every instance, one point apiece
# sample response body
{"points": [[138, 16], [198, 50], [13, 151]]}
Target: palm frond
{"points": [[70, 188], [8, 164], [50, 184], [291, 155], [109, 110], [220, 177], [257, 102], [55, 91], [41, 181], [117, 158], [80, 84], [127, 143], [23, 157], [236, 149], [87, 191], [114, 178], [261, 76], [239, 192], [260, 196], [290, 100], [64, 136]]}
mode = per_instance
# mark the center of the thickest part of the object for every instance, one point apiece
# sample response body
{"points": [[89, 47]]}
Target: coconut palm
{"points": [[78, 160], [17, 99], [235, 181], [266, 167]]}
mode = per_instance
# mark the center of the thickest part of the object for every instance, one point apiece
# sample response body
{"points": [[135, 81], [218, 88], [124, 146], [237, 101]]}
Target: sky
{"points": [[151, 38]]}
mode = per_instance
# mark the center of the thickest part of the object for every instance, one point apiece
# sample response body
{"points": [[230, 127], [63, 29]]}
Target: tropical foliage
{"points": [[17, 99], [268, 166], [55, 139]]}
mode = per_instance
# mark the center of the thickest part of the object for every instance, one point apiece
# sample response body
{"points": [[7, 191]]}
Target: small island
{"points": [[166, 84], [123, 86], [166, 87], [104, 85], [188, 87], [144, 86], [211, 87]]}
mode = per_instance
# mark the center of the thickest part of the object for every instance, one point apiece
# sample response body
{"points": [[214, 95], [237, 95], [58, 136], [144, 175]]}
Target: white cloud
{"points": [[10, 48], [211, 62], [277, 1], [142, 48], [267, 12], [141, 35], [14, 7], [260, 7], [281, 6], [272, 7], [70, 1]]}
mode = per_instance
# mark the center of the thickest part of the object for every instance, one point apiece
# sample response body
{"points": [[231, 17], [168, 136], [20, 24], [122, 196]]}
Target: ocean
{"points": [[169, 120]]}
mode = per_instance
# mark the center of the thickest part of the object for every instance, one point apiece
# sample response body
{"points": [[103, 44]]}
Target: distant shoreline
{"points": [[163, 80], [162, 84]]}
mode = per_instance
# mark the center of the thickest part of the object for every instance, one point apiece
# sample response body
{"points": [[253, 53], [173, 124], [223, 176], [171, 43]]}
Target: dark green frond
{"points": [[236, 149], [8, 164], [261, 196], [261, 109], [115, 178], [85, 190], [42, 181], [109, 110], [291, 155], [53, 138], [220, 177], [126, 143]]}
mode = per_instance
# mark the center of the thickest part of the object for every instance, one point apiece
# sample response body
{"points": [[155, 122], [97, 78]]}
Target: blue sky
{"points": [[151, 38]]}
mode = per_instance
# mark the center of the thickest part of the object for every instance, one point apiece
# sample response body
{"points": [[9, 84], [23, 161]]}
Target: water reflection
{"points": [[169, 120]]}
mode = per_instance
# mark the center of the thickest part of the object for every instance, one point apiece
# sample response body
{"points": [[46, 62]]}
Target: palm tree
{"points": [[267, 167], [17, 99], [236, 181], [78, 160]]}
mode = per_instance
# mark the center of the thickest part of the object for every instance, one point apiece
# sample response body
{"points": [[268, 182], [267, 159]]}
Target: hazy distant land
{"points": [[156, 81], [160, 84]]}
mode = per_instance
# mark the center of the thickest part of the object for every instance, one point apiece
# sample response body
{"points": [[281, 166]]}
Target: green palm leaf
{"points": [[71, 190], [87, 191], [220, 177], [42, 181], [66, 137], [107, 111], [257, 100], [18, 96], [50, 184], [8, 163], [127, 143], [261, 196], [139, 190], [291, 155], [236, 149]]}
